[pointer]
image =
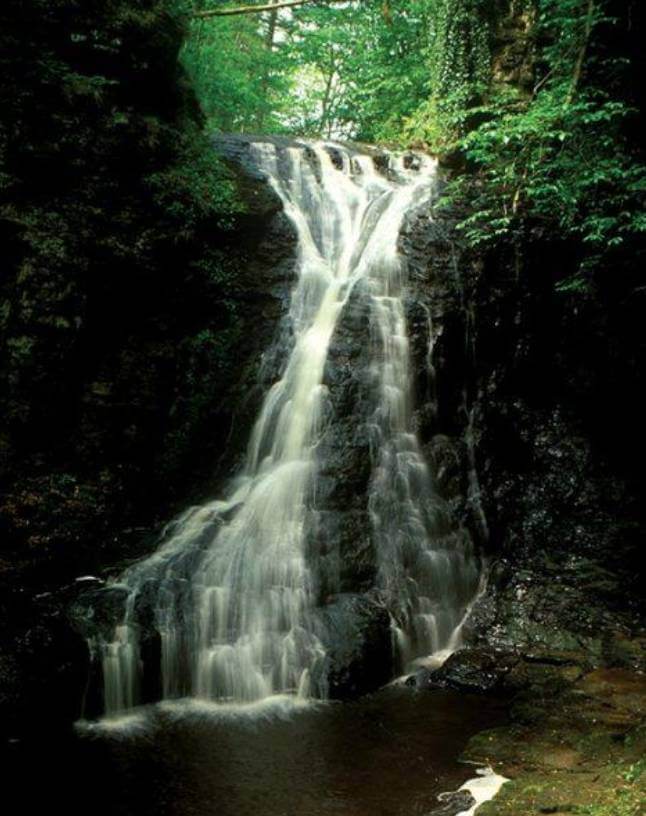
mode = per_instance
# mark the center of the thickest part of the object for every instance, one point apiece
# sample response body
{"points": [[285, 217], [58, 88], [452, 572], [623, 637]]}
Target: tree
{"points": [[237, 72]]}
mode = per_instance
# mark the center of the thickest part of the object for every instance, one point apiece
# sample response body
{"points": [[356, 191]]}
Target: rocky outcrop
{"points": [[359, 649], [513, 47], [453, 804], [573, 746], [349, 561], [527, 441]]}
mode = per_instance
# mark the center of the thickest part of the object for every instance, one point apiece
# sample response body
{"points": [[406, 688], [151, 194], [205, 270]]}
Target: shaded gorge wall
{"points": [[531, 426]]}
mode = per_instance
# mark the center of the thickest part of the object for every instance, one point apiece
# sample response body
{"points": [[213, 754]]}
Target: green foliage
{"points": [[236, 75], [635, 771], [110, 194], [195, 188], [460, 52], [555, 153], [627, 802], [559, 158], [355, 71], [365, 68], [359, 71], [459, 66], [560, 163]]}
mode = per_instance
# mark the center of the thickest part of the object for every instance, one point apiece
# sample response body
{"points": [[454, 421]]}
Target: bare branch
{"points": [[225, 12]]}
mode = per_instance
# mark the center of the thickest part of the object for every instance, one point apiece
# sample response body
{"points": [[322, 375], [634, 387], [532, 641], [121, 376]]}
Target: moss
{"points": [[580, 752]]}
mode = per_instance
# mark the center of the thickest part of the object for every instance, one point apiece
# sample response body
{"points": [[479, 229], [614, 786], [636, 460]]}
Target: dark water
{"points": [[386, 755]]}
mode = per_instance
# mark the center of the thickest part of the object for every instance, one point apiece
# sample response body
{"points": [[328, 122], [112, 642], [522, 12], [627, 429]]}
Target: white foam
{"points": [[115, 725], [431, 662], [483, 788], [435, 660], [276, 706]]}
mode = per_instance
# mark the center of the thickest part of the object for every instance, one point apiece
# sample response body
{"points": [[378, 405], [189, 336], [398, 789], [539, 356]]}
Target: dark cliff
{"points": [[533, 430], [143, 280]]}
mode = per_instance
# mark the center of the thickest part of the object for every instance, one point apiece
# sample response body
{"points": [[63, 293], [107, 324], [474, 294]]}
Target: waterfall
{"points": [[232, 589]]}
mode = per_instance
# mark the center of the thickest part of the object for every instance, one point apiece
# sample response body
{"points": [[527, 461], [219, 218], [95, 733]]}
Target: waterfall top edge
{"points": [[285, 142]]}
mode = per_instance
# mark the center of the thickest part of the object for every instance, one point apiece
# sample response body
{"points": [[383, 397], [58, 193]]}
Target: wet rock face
{"points": [[345, 457], [565, 521], [439, 324], [357, 633], [485, 670], [263, 244], [453, 804], [526, 441], [470, 670]]}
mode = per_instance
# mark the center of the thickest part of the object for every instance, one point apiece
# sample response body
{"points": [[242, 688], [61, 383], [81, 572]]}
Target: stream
{"points": [[388, 754]]}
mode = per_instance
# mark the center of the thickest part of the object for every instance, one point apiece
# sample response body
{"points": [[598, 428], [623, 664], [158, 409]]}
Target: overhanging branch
{"points": [[225, 12]]}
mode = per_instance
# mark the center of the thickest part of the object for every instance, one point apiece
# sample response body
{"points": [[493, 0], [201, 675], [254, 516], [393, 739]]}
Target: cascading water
{"points": [[233, 592], [427, 567]]}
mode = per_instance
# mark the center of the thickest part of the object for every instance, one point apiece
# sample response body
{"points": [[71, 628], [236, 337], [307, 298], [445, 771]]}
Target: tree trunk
{"points": [[583, 50], [269, 43]]}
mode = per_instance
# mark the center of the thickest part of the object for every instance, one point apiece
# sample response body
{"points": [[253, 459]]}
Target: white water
{"points": [[483, 788], [427, 568], [233, 590]]}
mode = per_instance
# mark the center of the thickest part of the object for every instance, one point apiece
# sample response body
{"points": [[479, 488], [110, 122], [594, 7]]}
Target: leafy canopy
{"points": [[549, 143]]}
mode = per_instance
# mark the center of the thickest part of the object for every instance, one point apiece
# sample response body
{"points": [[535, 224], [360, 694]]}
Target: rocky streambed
{"points": [[575, 741]]}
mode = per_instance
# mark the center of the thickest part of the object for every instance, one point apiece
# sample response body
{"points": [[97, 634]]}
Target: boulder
{"points": [[356, 632], [453, 804]]}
